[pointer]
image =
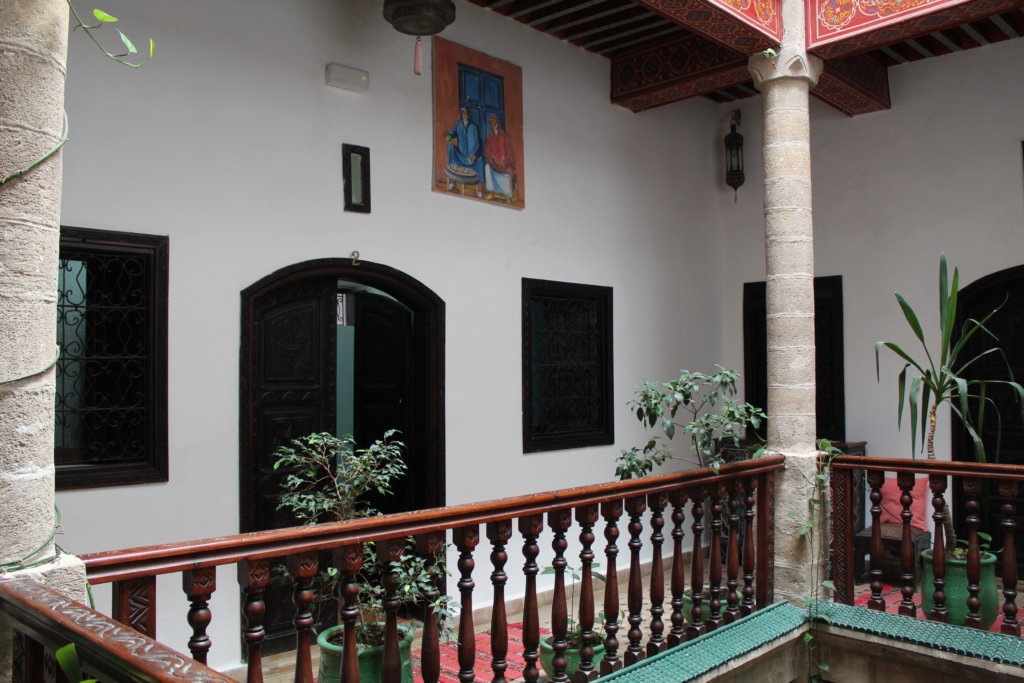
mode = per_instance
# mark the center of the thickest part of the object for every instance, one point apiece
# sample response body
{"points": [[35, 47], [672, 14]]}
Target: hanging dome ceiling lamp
{"points": [[419, 17]]}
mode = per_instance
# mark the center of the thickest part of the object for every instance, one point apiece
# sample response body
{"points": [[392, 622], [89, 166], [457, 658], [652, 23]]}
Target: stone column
{"points": [[33, 51], [785, 81]]}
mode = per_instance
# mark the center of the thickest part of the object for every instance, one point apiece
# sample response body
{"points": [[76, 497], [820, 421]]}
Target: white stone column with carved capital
{"points": [[785, 80], [33, 48]]}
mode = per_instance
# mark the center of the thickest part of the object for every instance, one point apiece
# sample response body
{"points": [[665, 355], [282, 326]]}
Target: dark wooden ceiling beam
{"points": [[988, 30], [621, 47], [855, 85], [647, 21], [541, 14], [674, 70], [935, 46], [629, 12], [709, 20], [945, 19], [1014, 20]]}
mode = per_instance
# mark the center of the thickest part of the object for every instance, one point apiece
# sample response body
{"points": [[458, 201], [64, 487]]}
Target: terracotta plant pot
{"points": [[547, 653], [956, 588], [370, 658]]}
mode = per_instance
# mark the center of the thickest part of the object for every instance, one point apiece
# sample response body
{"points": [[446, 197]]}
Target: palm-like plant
{"points": [[941, 376]]}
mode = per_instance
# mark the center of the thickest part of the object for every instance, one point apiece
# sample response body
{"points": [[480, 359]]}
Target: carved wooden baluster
{"points": [[937, 483], [611, 511], [732, 570], [714, 619], [389, 551], [559, 521], [349, 560], [697, 626], [587, 517], [135, 604], [972, 489], [499, 533], [303, 567], [432, 546], [199, 585], [466, 539], [1008, 492], [677, 633], [750, 501], [905, 480], [254, 575], [656, 643], [635, 508], [531, 527], [875, 480]]}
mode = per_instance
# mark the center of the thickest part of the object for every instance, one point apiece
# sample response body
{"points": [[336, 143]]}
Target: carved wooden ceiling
{"points": [[663, 51]]}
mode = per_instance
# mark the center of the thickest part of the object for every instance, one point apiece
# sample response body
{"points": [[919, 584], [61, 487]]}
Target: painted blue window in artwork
{"points": [[482, 94]]}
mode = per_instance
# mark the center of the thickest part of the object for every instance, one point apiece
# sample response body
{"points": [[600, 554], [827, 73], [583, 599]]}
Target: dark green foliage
{"points": [[694, 395]]}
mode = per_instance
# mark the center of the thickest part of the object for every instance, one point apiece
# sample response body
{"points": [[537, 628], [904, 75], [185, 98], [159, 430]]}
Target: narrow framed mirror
{"points": [[355, 167]]}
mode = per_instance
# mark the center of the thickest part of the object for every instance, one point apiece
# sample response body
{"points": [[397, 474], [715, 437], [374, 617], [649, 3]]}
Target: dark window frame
{"points": [[603, 432], [153, 466], [830, 400]]}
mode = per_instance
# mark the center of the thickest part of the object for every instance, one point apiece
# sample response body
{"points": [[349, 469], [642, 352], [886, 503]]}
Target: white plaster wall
{"points": [[940, 171], [229, 142]]}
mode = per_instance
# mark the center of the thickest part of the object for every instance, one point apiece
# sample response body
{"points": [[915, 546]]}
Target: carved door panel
{"points": [[976, 301], [291, 382], [384, 397]]}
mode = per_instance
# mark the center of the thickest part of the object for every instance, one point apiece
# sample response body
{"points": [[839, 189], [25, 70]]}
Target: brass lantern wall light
{"points": [[734, 155]]}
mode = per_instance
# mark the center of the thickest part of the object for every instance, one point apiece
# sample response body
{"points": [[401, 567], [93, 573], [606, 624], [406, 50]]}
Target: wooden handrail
{"points": [[968, 469], [107, 649], [119, 565]]}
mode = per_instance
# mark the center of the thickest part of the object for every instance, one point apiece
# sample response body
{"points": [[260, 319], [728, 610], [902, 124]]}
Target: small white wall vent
{"points": [[348, 77]]}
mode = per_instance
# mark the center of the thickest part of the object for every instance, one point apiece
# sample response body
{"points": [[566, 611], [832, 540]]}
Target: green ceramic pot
{"points": [[370, 658], [956, 588], [547, 653]]}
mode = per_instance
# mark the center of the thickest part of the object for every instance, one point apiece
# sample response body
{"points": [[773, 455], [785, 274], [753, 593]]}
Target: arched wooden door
{"points": [[977, 300], [288, 378], [287, 373]]}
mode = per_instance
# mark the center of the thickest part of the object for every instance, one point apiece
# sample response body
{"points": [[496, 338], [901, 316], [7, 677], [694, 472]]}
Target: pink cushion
{"points": [[892, 509]]}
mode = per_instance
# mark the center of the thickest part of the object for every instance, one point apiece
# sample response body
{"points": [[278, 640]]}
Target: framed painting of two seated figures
{"points": [[478, 126]]}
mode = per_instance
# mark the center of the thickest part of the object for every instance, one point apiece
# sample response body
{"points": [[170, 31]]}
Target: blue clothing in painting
{"points": [[464, 146]]}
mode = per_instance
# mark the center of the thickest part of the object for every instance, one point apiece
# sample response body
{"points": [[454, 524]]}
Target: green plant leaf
{"points": [[829, 585], [128, 44], [103, 16], [67, 660]]}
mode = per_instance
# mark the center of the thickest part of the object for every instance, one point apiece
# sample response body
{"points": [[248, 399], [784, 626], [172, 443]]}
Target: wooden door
{"points": [[976, 301], [290, 386], [383, 390]]}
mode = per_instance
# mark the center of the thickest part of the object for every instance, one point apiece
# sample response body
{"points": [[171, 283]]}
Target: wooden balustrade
{"points": [[45, 620], [737, 500], [970, 479]]}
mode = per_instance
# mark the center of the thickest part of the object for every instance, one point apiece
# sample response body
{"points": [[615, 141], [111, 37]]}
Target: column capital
{"points": [[788, 63]]}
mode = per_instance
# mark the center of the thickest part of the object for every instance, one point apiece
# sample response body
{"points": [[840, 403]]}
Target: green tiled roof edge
{"points": [[693, 658], [971, 642]]}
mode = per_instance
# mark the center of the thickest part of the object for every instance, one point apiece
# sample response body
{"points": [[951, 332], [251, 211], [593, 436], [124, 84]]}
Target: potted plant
{"points": [[694, 395], [574, 632], [940, 377], [327, 479]]}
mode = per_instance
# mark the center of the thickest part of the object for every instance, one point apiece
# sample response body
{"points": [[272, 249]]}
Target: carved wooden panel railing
{"points": [[739, 579], [972, 479], [44, 620]]}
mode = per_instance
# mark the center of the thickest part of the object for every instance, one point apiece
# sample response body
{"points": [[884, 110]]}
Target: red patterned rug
{"points": [[893, 596], [482, 667]]}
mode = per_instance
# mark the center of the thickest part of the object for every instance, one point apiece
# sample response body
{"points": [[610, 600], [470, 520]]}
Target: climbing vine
{"points": [[811, 528]]}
